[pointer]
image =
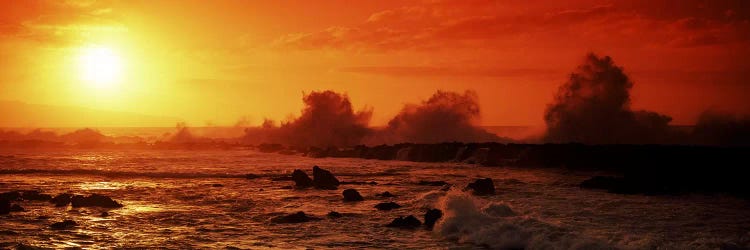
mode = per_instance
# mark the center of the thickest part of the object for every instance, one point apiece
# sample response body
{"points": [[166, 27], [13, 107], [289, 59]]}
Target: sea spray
{"points": [[496, 225]]}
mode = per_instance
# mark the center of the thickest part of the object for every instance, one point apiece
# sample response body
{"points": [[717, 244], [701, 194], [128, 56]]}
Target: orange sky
{"points": [[215, 63]]}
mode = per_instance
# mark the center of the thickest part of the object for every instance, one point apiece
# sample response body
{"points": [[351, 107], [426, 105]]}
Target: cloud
{"points": [[441, 25]]}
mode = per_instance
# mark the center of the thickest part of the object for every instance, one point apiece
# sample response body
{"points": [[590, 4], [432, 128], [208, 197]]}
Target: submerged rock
{"points": [[386, 194], [334, 215], [61, 200], [298, 217], [94, 200], [35, 196], [216, 185], [66, 224], [324, 179], [482, 186], [432, 216], [432, 183], [408, 222], [352, 195], [16, 208], [385, 206], [301, 180]]}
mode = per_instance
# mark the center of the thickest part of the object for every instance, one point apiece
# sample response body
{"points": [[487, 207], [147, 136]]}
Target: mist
{"points": [[593, 107], [444, 117]]}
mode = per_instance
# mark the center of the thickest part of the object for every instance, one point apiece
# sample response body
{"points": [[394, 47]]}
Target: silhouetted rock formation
{"points": [[386, 194], [10, 195], [334, 215], [94, 200], [61, 200], [408, 222], [482, 187], [432, 216], [298, 217], [324, 179], [633, 185], [66, 224], [385, 206], [4, 206], [301, 180], [669, 168], [352, 195], [35, 196]]}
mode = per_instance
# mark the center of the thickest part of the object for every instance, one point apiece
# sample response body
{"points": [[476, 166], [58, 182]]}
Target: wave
{"points": [[495, 225]]}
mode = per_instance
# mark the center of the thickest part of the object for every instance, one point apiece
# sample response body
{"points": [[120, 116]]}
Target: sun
{"points": [[101, 67]]}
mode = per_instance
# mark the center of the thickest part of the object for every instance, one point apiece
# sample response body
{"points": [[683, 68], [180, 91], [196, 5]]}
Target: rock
{"points": [[61, 200], [35, 196], [432, 183], [298, 217], [94, 200], [4, 206], [385, 206], [16, 208], [282, 178], [408, 222], [216, 185], [482, 186], [251, 176], [386, 194], [66, 224], [10, 195], [352, 195], [301, 180], [431, 216], [334, 215], [324, 179], [104, 214]]}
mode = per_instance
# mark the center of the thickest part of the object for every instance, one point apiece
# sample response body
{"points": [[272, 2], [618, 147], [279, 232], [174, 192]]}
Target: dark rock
{"points": [[298, 217], [16, 208], [385, 206], [432, 183], [251, 176], [216, 185], [601, 182], [35, 196], [482, 186], [94, 200], [66, 224], [301, 180], [334, 215], [352, 195], [4, 206], [432, 216], [10, 195], [408, 222], [386, 194], [61, 200], [324, 179], [282, 178], [104, 214]]}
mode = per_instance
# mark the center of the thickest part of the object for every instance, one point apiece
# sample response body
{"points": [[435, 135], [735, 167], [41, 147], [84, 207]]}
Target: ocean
{"points": [[182, 199]]}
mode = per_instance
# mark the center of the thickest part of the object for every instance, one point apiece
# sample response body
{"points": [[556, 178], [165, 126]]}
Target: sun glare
{"points": [[101, 67]]}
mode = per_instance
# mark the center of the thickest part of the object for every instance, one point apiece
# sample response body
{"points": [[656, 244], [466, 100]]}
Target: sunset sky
{"points": [[213, 62]]}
